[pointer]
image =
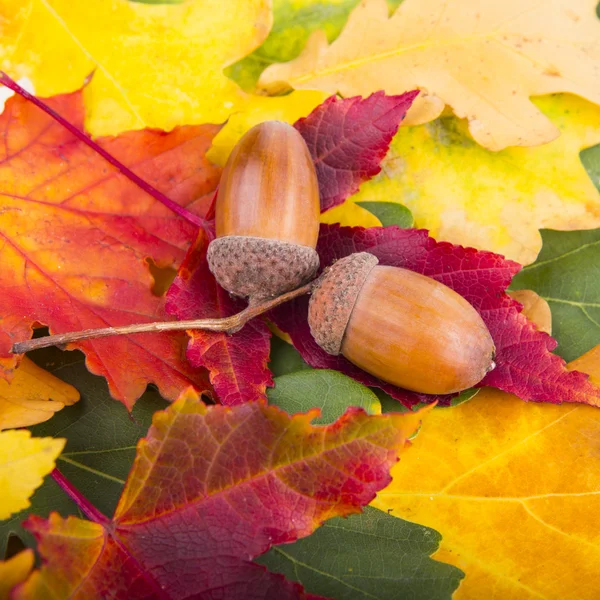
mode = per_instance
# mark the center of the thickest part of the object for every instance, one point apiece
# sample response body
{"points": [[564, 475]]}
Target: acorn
{"points": [[403, 327], [267, 215]]}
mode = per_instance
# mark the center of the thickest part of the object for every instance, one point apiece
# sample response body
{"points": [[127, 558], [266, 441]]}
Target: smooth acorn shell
{"points": [[267, 214], [403, 327]]}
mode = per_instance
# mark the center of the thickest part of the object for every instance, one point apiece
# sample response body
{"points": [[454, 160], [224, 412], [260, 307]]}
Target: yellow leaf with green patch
{"points": [[496, 201]]}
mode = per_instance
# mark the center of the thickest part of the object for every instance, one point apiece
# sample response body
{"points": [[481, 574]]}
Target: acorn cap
{"points": [[332, 301], [260, 268]]}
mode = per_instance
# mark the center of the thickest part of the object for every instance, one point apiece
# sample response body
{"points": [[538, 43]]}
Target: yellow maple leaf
{"points": [[32, 396], [14, 571], [154, 65], [484, 59], [511, 487], [496, 201], [24, 461]]}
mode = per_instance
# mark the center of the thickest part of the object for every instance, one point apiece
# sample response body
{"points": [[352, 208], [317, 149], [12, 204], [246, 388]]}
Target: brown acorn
{"points": [[403, 327], [267, 214]]}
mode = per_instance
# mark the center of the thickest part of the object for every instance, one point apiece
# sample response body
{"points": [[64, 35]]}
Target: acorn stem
{"points": [[228, 325]]}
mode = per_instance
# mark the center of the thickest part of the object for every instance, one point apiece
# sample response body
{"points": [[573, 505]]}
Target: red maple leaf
{"points": [[76, 235], [525, 365], [237, 363], [348, 138], [210, 489]]}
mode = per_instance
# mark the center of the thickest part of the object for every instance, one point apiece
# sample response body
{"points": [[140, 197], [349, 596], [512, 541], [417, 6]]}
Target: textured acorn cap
{"points": [[332, 301], [257, 268]]}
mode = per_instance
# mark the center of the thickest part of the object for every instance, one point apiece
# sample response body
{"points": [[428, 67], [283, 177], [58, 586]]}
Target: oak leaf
{"points": [[24, 461], [524, 360], [508, 195], [527, 475], [210, 489], [483, 60], [237, 363], [32, 396], [76, 235]]}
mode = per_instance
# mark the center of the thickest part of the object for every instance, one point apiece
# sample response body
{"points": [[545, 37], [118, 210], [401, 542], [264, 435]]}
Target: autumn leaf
{"points": [[508, 195], [33, 396], [14, 571], [513, 496], [77, 234], [348, 139], [449, 50], [566, 275], [139, 82], [101, 437], [524, 362], [198, 526], [24, 461], [237, 363]]}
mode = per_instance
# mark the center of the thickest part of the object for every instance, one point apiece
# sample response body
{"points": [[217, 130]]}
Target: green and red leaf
{"points": [[212, 488]]}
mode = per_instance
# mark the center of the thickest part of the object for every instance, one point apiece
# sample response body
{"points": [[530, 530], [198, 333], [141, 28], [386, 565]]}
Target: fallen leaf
{"points": [[449, 49], [507, 197], [566, 275], [513, 497], [293, 22], [33, 396], [349, 138], [152, 65], [372, 555], [24, 461], [524, 362], [237, 363], [229, 500], [101, 437], [14, 571], [390, 213], [76, 235]]}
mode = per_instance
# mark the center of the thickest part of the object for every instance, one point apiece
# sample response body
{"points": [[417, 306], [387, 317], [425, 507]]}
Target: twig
{"points": [[86, 507], [227, 324], [149, 189]]}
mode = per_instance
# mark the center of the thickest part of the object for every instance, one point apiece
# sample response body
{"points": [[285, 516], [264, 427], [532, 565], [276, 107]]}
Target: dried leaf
{"points": [[24, 461], [524, 362], [33, 396], [247, 477], [76, 235], [514, 496], [237, 363], [449, 49]]}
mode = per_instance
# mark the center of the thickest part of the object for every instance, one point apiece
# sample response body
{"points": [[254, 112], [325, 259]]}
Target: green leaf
{"points": [[285, 358], [567, 275], [101, 440], [390, 213], [330, 391], [294, 21], [368, 556]]}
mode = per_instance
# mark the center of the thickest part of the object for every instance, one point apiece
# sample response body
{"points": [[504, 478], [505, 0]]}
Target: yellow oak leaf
{"points": [[154, 65], [484, 59], [14, 571], [32, 396], [496, 201], [512, 488], [24, 461]]}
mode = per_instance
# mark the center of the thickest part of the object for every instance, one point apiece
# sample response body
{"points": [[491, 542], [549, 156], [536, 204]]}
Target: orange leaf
{"points": [[75, 235]]}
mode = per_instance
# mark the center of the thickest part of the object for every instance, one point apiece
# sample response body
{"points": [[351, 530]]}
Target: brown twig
{"points": [[227, 324]]}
